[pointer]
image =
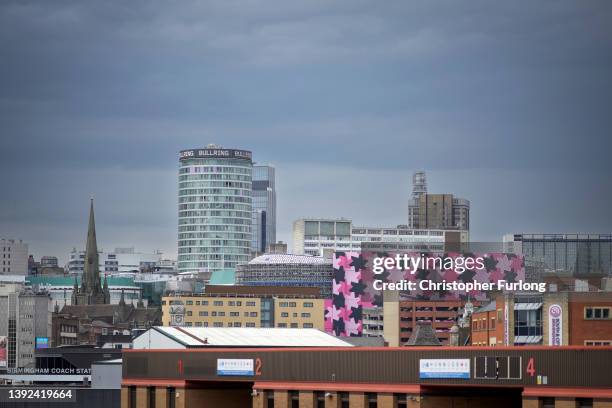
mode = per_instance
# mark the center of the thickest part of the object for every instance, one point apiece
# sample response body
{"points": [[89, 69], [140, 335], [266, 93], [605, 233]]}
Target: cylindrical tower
{"points": [[215, 208]]}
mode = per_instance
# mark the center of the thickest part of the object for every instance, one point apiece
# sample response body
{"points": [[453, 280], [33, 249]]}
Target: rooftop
{"points": [[288, 259], [223, 277], [250, 337]]}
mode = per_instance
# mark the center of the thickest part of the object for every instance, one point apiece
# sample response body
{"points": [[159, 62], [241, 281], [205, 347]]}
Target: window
{"points": [[584, 402], [492, 327], [292, 304], [320, 399], [595, 313], [218, 303], [344, 399], [253, 314], [308, 304], [250, 303], [598, 342], [132, 397], [305, 314], [171, 397], [294, 325], [294, 397], [284, 314], [401, 400], [189, 303], [372, 399], [203, 313], [218, 324], [547, 402], [151, 396], [270, 399], [308, 325]]}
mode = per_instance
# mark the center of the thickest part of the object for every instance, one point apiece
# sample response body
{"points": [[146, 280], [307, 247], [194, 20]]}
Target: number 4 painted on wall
{"points": [[531, 367]]}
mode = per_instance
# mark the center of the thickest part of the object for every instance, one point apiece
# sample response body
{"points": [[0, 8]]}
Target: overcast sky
{"points": [[508, 104]]}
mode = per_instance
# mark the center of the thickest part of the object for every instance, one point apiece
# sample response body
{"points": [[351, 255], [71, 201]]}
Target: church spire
{"points": [[91, 288]]}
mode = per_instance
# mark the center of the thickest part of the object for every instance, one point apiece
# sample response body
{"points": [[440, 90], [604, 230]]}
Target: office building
{"points": [[264, 208], [49, 262], [215, 208], [25, 324], [565, 254], [287, 270], [118, 261], [246, 306], [313, 236], [436, 211], [13, 257]]}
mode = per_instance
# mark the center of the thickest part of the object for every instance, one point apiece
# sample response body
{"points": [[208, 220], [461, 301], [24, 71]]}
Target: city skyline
{"points": [[346, 101]]}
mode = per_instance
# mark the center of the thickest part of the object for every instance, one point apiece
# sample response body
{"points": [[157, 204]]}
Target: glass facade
{"points": [[572, 254], [215, 210], [264, 208]]}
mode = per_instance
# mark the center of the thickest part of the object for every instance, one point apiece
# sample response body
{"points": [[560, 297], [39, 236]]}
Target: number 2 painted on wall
{"points": [[258, 366]]}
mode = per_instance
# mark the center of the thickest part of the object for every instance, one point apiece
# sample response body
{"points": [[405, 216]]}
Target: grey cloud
{"points": [[488, 97]]}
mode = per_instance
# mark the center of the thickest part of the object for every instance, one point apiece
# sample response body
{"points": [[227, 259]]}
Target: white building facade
{"points": [[316, 236], [120, 260]]}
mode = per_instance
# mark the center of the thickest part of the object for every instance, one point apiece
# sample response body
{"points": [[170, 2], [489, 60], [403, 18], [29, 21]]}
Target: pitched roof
{"points": [[423, 335], [250, 337]]}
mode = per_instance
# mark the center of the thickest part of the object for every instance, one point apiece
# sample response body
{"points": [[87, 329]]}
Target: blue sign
{"points": [[235, 366]]}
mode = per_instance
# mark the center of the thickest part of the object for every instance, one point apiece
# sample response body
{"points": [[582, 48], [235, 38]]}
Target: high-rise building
{"points": [[264, 207], [436, 211], [25, 320], [315, 236], [565, 254], [215, 208], [13, 257]]}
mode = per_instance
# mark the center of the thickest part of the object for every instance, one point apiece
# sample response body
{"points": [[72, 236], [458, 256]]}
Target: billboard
{"points": [[444, 368], [359, 279], [3, 351], [235, 366], [555, 325], [42, 343]]}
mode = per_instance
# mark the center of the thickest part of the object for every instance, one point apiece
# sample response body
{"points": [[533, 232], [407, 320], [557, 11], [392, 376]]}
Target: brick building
{"points": [[564, 318], [401, 318]]}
